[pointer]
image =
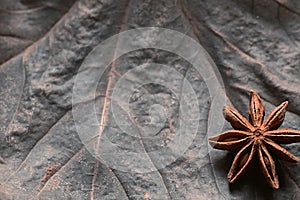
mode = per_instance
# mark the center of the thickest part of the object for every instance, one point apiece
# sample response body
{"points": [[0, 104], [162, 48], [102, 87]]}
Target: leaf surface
{"points": [[43, 44]]}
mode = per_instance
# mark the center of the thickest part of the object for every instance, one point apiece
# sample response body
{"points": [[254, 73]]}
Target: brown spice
{"points": [[256, 137]]}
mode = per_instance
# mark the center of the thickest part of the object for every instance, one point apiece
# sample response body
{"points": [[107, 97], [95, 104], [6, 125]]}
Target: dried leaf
{"points": [[255, 44]]}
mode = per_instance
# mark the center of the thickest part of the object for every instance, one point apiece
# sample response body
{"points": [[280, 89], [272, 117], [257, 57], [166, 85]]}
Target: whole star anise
{"points": [[256, 139]]}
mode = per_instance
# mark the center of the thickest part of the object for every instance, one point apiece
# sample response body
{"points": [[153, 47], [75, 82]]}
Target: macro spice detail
{"points": [[255, 139]]}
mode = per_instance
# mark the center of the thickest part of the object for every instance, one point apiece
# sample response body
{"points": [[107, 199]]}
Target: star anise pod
{"points": [[256, 139]]}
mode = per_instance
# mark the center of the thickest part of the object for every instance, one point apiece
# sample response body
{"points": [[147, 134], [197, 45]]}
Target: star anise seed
{"points": [[256, 138]]}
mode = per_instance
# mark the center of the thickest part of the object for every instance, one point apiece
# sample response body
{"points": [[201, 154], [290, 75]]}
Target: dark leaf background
{"points": [[254, 44]]}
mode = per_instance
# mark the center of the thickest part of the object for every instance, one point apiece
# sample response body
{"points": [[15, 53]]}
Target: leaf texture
{"points": [[255, 44]]}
